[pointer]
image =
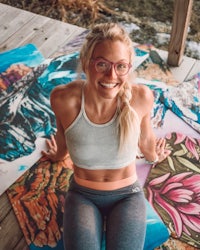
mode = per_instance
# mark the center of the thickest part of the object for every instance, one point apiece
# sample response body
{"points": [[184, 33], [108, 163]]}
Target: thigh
{"points": [[82, 223], [126, 224]]}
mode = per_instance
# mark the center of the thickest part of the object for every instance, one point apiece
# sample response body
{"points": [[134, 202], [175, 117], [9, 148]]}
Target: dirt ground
{"points": [[149, 20]]}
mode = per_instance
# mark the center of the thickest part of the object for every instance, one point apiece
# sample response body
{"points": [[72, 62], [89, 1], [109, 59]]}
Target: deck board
{"points": [[10, 233], [194, 70], [5, 207], [17, 28], [23, 35], [12, 23], [186, 68], [181, 73]]}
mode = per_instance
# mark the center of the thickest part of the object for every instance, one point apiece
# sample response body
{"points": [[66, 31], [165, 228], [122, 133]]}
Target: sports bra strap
{"points": [[83, 97]]}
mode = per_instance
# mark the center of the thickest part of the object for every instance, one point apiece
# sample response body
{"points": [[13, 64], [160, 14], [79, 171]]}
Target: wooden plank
{"points": [[22, 36], [3, 8], [181, 72], [46, 47], [47, 34], [11, 236], [10, 232], [3, 11], [10, 14], [14, 21], [51, 35], [195, 69], [43, 34], [6, 17], [5, 206], [2, 20], [21, 245], [181, 18]]}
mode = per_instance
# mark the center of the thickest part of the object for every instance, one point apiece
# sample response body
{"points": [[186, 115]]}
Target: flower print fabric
{"points": [[173, 189]]}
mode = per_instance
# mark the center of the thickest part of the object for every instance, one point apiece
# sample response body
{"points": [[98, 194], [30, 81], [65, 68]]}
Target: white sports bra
{"points": [[96, 146]]}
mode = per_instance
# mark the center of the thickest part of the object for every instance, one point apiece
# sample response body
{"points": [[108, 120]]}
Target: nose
{"points": [[111, 72]]}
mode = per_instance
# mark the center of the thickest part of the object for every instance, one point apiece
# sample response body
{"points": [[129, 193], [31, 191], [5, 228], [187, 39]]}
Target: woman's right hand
{"points": [[52, 148]]}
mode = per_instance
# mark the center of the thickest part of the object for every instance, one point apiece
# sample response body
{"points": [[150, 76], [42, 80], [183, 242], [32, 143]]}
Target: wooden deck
{"points": [[18, 27]]}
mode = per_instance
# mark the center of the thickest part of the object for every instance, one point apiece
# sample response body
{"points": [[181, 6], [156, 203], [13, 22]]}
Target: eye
{"points": [[102, 65], [122, 66]]}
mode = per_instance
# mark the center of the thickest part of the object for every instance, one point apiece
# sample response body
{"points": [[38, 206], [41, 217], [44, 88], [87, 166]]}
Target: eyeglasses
{"points": [[104, 66]]}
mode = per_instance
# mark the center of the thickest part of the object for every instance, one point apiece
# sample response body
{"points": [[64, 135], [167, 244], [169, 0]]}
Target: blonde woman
{"points": [[101, 122]]}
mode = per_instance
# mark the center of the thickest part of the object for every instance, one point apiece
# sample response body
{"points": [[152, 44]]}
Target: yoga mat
{"points": [[172, 188]]}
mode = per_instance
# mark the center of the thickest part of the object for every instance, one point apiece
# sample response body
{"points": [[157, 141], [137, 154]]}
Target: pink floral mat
{"points": [[173, 189]]}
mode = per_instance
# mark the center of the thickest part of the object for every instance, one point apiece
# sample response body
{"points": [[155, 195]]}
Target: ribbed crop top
{"points": [[96, 146]]}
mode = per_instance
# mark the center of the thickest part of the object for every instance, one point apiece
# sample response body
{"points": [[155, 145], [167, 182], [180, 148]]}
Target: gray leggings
{"points": [[121, 213]]}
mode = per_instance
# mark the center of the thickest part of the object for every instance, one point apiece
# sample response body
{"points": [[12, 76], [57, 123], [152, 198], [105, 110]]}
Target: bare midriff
{"points": [[105, 179]]}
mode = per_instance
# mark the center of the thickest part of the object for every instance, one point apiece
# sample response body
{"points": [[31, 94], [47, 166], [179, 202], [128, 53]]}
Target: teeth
{"points": [[109, 85]]}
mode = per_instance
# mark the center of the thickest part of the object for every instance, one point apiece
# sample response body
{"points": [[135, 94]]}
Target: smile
{"points": [[108, 85]]}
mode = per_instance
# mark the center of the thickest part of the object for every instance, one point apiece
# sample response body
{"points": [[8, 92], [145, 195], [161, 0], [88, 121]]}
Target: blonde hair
{"points": [[128, 118]]}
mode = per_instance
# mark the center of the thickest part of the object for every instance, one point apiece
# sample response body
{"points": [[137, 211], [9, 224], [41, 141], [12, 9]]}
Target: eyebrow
{"points": [[100, 57]]}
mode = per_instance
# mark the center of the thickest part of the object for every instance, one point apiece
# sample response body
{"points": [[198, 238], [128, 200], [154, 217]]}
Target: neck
{"points": [[99, 109]]}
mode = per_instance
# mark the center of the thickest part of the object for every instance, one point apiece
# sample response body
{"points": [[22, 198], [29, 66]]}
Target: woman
{"points": [[101, 122]]}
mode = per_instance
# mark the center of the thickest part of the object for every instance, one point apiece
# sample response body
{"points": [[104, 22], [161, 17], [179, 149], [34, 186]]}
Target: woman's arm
{"points": [[57, 148], [153, 149]]}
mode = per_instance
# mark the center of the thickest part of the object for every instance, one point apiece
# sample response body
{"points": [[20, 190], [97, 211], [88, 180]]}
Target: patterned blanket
{"points": [[25, 108], [37, 198], [172, 187], [184, 101]]}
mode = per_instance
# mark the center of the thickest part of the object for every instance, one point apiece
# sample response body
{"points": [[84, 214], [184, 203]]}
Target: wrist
{"points": [[152, 162]]}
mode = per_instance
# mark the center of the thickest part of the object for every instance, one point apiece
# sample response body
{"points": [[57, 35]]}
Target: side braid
{"points": [[128, 118]]}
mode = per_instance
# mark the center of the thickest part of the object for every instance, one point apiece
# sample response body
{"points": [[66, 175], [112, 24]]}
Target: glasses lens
{"points": [[121, 68], [102, 66]]}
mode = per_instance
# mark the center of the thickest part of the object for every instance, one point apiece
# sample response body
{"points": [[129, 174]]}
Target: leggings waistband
{"points": [[107, 185]]}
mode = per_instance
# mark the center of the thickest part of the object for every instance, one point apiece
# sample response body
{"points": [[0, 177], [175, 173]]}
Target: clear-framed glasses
{"points": [[104, 66]]}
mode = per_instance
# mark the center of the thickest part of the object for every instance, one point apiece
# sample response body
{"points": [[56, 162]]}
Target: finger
{"points": [[44, 158], [50, 144], [161, 143], [44, 153], [167, 152], [53, 140]]}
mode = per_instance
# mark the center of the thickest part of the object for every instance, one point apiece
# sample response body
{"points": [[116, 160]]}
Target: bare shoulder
{"points": [[142, 92], [68, 89], [66, 94], [142, 98], [66, 102]]}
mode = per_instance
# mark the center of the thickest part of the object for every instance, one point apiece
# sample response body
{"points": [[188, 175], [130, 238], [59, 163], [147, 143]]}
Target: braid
{"points": [[128, 118]]}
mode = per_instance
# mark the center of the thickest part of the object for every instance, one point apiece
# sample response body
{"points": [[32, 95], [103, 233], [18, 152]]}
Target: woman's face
{"points": [[108, 67]]}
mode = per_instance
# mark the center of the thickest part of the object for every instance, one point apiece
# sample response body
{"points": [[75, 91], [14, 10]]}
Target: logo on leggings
{"points": [[135, 189]]}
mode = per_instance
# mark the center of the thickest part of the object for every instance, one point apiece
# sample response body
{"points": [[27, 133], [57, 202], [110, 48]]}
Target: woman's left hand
{"points": [[161, 150]]}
